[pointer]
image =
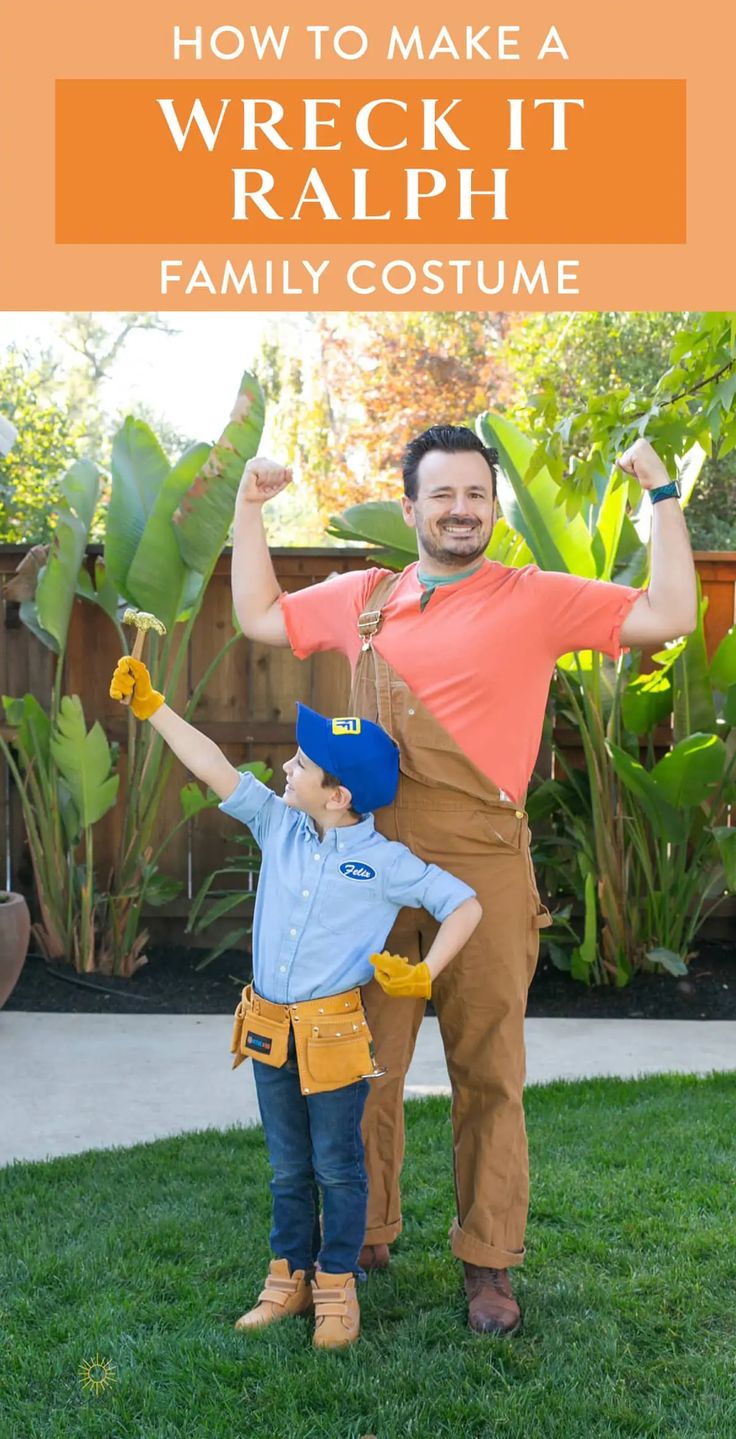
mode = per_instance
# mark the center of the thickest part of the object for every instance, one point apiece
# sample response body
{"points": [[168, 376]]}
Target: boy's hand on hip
{"points": [[401, 979], [131, 677]]}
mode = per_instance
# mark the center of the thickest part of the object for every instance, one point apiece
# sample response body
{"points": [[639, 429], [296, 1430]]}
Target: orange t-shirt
{"points": [[482, 653]]}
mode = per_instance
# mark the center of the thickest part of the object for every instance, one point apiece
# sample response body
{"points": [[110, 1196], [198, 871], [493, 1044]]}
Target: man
{"points": [[454, 657]]}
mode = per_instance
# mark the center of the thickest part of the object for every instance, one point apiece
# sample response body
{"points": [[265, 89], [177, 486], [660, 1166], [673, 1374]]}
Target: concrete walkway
{"points": [[71, 1082]]}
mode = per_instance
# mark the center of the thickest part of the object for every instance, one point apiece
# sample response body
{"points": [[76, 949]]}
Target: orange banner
{"points": [[366, 162], [102, 209]]}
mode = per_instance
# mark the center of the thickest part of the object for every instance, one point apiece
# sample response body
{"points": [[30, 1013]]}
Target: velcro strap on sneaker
{"points": [[330, 1301], [277, 1291]]}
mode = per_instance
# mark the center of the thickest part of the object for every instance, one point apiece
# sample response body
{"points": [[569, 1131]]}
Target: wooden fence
{"points": [[248, 708]]}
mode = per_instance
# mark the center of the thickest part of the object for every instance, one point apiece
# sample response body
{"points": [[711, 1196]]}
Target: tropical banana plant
{"points": [[165, 528], [665, 855]]}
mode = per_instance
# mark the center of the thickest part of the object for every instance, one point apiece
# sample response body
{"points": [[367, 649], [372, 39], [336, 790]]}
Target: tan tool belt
{"points": [[333, 1043]]}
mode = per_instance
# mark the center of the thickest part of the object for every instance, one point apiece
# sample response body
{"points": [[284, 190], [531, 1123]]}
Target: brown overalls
{"points": [[450, 814]]}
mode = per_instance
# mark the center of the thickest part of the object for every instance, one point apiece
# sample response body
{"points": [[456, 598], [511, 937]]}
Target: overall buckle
{"points": [[369, 623]]}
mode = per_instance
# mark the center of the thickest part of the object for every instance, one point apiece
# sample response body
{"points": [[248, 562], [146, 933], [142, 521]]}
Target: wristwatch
{"points": [[670, 491]]}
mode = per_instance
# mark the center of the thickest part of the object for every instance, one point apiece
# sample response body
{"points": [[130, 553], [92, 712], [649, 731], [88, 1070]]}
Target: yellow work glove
{"points": [[132, 677], [401, 979]]}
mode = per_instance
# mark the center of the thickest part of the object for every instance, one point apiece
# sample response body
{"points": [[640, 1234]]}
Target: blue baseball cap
{"points": [[362, 755]]}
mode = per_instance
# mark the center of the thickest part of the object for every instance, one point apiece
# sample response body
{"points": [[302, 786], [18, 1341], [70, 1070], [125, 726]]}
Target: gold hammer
{"points": [[143, 622]]}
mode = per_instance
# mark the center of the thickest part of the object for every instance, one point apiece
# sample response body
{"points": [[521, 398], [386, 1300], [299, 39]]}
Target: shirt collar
{"points": [[346, 835]]}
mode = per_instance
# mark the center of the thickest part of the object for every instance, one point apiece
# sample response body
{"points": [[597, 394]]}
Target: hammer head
{"points": [[144, 621]]}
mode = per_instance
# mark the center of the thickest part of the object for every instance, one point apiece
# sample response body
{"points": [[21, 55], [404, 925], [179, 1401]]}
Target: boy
{"points": [[329, 891]]}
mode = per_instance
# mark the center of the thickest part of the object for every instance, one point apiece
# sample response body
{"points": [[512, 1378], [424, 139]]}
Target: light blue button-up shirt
{"points": [[323, 906]]}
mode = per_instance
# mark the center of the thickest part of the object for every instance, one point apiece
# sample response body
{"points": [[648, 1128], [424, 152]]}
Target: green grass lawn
{"points": [[144, 1257]]}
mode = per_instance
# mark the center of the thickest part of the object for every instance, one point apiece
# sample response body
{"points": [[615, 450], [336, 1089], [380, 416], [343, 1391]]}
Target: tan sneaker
{"points": [[284, 1294], [336, 1310]]}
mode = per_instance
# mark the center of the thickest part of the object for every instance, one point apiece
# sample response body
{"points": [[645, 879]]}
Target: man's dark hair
{"points": [[331, 781], [451, 439]]}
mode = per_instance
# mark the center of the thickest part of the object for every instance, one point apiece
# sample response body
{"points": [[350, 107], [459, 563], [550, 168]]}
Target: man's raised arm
{"points": [[255, 588]]}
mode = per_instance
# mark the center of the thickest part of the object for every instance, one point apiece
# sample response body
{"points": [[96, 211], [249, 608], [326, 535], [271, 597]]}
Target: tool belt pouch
{"points": [[258, 1036], [333, 1052]]}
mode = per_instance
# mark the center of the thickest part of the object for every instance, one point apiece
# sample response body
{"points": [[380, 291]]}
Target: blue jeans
{"points": [[314, 1145]]}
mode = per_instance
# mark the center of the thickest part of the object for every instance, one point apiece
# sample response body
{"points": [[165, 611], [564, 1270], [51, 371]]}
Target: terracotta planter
{"points": [[15, 930]]}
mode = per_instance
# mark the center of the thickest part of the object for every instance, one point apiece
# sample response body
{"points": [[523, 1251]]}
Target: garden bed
{"points": [[171, 984]]}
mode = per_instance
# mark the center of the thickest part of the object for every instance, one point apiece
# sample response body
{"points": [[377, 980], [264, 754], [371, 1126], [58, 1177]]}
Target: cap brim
{"points": [[311, 736]]}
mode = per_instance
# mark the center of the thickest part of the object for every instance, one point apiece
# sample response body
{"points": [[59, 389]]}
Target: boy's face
{"points": [[304, 787]]}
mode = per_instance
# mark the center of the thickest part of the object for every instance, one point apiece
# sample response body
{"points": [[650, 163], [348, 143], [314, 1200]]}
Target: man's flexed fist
{"points": [[643, 462], [262, 479]]}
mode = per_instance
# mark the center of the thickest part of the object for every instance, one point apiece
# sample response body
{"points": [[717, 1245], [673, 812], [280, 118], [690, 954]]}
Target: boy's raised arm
{"points": [[195, 750], [255, 587]]}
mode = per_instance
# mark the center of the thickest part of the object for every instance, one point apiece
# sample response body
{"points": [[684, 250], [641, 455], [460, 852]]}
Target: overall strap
{"points": [[370, 621]]}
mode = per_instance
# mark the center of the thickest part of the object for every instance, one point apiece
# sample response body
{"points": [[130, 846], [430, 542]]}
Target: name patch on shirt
{"points": [[353, 869]]}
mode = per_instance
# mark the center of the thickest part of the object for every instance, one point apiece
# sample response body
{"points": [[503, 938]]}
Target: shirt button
{"points": [[282, 967], [292, 932], [305, 894], [316, 858], [411, 712]]}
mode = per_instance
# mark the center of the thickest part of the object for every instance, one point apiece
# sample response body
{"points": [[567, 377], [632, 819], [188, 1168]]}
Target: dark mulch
{"points": [[171, 984]]}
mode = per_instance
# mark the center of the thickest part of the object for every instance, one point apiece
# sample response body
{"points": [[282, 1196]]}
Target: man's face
{"points": [[454, 512]]}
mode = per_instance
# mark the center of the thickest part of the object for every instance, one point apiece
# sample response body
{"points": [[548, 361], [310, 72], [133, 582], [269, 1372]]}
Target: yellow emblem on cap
{"points": [[349, 725]]}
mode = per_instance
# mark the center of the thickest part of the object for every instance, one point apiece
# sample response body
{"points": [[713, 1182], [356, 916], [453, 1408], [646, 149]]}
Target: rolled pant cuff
{"points": [[384, 1233], [475, 1251]]}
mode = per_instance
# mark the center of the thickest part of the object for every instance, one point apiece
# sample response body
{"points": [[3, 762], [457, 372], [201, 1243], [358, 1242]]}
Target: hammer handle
{"points": [[136, 653]]}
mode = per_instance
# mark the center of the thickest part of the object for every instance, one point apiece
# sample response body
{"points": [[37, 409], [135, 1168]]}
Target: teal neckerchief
{"points": [[430, 583]]}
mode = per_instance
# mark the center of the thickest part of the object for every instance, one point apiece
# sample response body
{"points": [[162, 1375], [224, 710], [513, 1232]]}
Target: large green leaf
{"points": [[607, 534], [158, 579], [666, 821], [584, 956], [33, 730], [378, 522], [139, 468], [205, 514], [723, 663], [84, 761], [646, 701], [632, 557], [193, 800], [508, 547], [50, 611], [691, 771], [556, 542], [694, 709], [725, 838], [159, 889]]}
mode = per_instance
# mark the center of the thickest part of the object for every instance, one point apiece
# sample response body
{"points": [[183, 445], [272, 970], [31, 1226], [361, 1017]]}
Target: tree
{"points": [[618, 364], [362, 385], [31, 474], [59, 410]]}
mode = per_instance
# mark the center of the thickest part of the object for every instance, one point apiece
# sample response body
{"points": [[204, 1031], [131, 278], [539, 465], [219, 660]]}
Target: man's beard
{"points": [[436, 551]]}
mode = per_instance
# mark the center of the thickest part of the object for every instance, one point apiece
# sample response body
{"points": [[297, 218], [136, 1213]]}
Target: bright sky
{"points": [[190, 379]]}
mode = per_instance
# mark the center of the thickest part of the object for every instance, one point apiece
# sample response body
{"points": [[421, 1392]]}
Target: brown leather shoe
{"points": [[374, 1256], [492, 1308], [284, 1294]]}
